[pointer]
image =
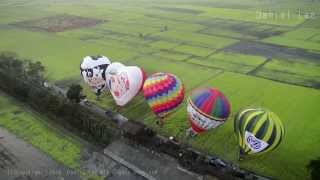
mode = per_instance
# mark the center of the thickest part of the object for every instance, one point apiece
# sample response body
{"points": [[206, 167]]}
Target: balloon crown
{"points": [[211, 103]]}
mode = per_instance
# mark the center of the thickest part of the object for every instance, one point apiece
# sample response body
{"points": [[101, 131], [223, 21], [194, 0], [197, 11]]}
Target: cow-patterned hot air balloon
{"points": [[93, 69], [258, 131], [207, 108], [164, 92]]}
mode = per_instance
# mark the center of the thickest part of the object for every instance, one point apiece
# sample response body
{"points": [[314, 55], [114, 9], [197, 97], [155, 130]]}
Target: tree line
{"points": [[25, 80]]}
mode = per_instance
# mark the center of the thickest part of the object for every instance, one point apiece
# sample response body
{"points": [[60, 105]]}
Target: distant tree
{"points": [[53, 103], [140, 35], [314, 167], [11, 65], [22, 90], [35, 71], [165, 28], [74, 93], [9, 54], [37, 97]]}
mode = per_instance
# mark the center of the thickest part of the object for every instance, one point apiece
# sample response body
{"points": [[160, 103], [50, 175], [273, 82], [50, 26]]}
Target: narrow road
{"points": [[20, 160]]}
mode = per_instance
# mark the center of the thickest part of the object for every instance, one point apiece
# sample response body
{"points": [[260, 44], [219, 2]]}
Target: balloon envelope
{"points": [[258, 131], [163, 92], [124, 82], [207, 108], [92, 69], [113, 67]]}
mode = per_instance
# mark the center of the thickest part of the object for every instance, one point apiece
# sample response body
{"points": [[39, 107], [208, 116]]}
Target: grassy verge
{"points": [[34, 130]]}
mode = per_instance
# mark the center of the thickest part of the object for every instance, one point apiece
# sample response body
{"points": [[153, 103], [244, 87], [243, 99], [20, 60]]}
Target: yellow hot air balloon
{"points": [[258, 131]]}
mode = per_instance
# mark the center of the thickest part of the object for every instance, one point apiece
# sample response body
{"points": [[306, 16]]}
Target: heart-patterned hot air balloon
{"points": [[124, 82], [163, 92]]}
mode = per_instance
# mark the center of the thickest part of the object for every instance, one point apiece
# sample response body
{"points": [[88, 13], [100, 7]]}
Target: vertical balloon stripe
{"points": [[263, 129], [268, 134], [250, 118], [215, 106], [195, 94], [200, 99], [207, 105], [217, 110], [226, 110], [256, 122]]}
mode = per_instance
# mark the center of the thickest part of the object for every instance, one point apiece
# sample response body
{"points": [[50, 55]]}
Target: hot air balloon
{"points": [[113, 67], [124, 82], [258, 131], [164, 92], [207, 108], [92, 69]]}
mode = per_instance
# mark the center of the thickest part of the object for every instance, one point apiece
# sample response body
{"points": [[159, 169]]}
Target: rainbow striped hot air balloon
{"points": [[163, 92], [258, 131], [207, 109]]}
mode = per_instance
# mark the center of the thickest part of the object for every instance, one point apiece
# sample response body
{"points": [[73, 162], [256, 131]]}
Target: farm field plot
{"points": [[128, 28], [305, 38], [158, 22], [152, 64], [196, 39], [194, 50], [13, 14], [292, 71], [245, 15], [51, 51], [242, 29], [311, 23], [226, 32], [58, 23], [163, 45], [234, 62], [255, 62], [172, 55]]}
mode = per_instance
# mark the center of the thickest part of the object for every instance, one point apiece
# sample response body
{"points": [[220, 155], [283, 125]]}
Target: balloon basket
{"points": [[240, 155], [191, 133], [118, 109], [160, 121], [240, 158]]}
